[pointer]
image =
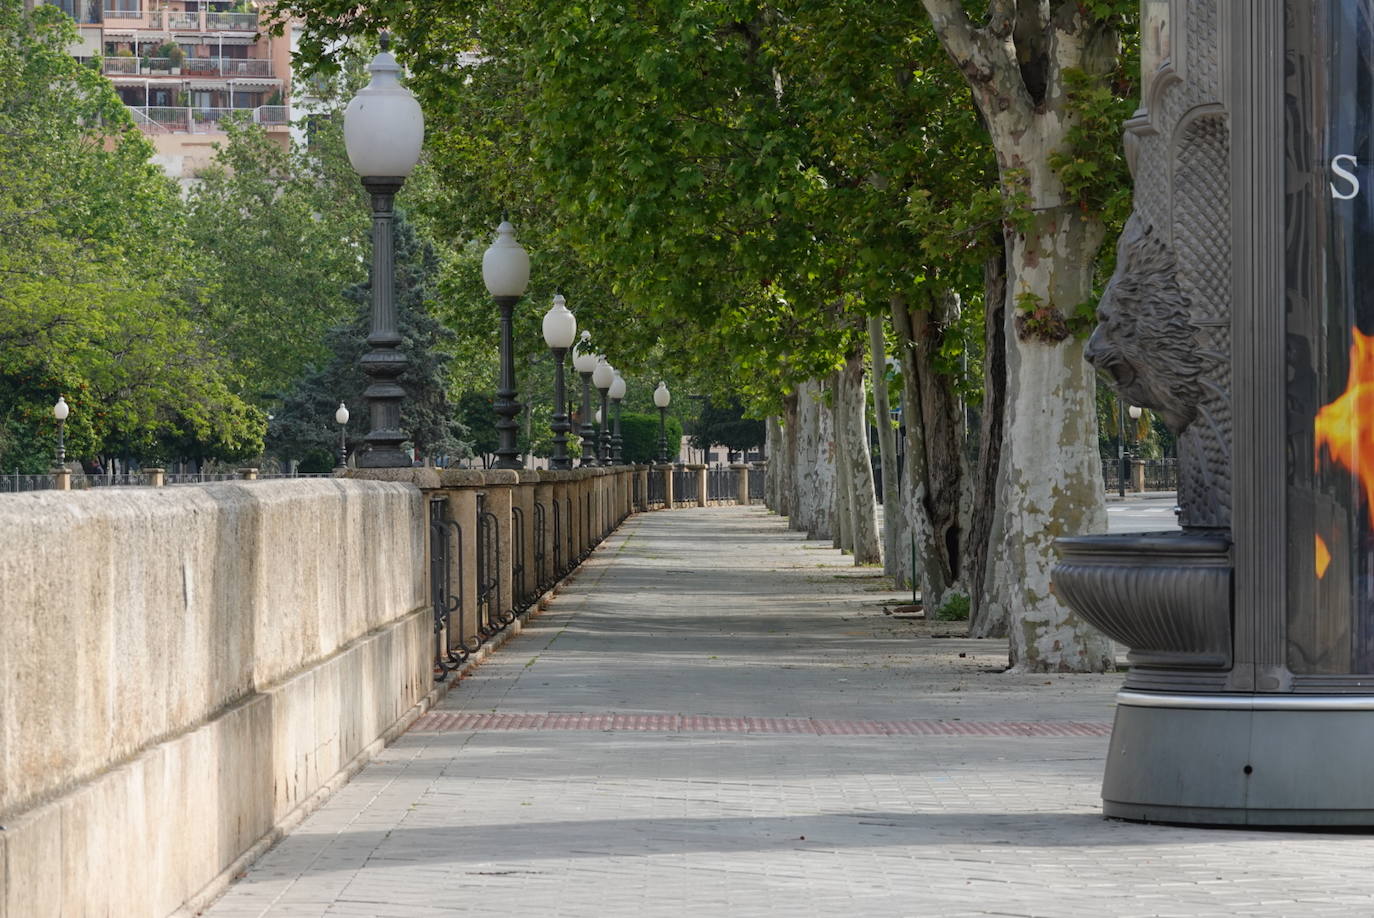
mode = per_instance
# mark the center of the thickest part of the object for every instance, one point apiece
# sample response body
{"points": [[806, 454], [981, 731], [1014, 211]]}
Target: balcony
{"points": [[127, 11], [226, 67], [157, 119], [189, 21], [233, 22]]}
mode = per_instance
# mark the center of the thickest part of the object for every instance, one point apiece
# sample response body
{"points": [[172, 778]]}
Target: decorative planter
{"points": [[1166, 596]]}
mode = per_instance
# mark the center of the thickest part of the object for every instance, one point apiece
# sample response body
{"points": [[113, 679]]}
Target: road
{"points": [[1142, 514]]}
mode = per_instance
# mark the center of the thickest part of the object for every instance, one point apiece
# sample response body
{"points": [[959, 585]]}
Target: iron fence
{"points": [[655, 489], [15, 483], [757, 481], [520, 595], [684, 486], [1159, 474], [721, 485], [446, 553]]}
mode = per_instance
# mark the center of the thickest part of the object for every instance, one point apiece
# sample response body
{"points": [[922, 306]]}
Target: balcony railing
{"points": [[161, 119], [177, 20], [123, 12], [235, 22], [228, 67]]}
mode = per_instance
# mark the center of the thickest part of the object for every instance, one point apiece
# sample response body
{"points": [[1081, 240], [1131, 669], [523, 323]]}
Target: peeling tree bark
{"points": [[934, 424], [1050, 481], [842, 537], [894, 515], [789, 474], [987, 620], [813, 477], [860, 499]]}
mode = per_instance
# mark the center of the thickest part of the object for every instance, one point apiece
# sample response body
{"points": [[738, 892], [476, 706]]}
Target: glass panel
{"points": [[1329, 201]]}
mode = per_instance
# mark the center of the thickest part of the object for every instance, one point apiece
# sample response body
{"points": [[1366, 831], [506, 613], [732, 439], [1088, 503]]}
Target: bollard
{"points": [[248, 474], [155, 477]]}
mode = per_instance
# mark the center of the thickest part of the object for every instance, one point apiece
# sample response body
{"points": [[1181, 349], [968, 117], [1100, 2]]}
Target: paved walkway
{"points": [[719, 718]]}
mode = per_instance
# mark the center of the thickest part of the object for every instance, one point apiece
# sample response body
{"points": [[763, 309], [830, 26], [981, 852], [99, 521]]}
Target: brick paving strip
{"points": [[450, 722]]}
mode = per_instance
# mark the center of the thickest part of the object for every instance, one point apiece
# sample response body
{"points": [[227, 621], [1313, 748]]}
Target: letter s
{"points": [[1346, 175]]}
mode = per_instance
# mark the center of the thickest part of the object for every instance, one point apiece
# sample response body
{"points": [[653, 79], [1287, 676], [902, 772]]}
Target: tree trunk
{"points": [[934, 461], [986, 620], [814, 473], [842, 536], [894, 517], [861, 498], [789, 473], [772, 450], [1051, 484]]}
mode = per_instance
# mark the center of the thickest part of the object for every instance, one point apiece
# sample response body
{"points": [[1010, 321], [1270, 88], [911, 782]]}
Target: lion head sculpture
{"points": [[1144, 340]]}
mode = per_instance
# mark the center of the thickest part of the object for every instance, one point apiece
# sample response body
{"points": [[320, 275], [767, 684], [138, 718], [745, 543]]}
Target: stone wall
{"points": [[183, 669]]}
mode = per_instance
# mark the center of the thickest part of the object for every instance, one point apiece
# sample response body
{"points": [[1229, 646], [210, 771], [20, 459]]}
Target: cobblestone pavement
{"points": [[719, 718]]}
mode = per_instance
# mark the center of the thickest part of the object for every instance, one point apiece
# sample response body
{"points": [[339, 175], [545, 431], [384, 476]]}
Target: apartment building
{"points": [[183, 66]]}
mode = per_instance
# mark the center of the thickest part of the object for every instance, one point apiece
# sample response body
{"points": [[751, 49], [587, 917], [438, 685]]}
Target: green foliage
{"points": [[100, 279], [284, 232], [955, 608], [640, 437], [723, 423], [304, 424]]}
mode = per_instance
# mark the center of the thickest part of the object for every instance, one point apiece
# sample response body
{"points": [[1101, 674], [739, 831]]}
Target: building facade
{"points": [[183, 67]]}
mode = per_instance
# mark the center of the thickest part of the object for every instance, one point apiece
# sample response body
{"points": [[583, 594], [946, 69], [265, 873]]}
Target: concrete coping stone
{"points": [[528, 476], [425, 478], [738, 465], [501, 477], [463, 478], [694, 467], [549, 476]]}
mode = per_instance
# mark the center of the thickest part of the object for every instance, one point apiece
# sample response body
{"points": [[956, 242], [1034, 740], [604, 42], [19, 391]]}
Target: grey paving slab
{"points": [[721, 619]]}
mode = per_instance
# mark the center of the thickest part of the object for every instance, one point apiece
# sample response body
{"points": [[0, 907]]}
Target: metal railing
{"points": [[721, 485], [684, 486], [124, 11], [1160, 474], [15, 483], [757, 482], [232, 22], [227, 67], [523, 593], [189, 120], [655, 488], [446, 548]]}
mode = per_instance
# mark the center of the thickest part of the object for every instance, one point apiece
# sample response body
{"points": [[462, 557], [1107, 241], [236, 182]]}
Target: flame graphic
{"points": [[1346, 426], [1323, 557]]}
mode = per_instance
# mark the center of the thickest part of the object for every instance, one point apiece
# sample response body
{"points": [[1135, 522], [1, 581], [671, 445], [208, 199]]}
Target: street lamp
{"points": [[661, 399], [383, 131], [584, 362], [506, 272], [602, 377], [617, 393], [60, 412], [560, 328], [341, 418]]}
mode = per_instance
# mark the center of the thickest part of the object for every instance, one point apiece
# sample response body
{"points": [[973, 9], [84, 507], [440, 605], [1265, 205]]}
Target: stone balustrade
{"points": [[186, 672]]}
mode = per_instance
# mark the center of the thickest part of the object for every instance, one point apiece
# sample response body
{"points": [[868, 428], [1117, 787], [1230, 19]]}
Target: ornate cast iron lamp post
{"points": [[617, 392], [560, 328], [602, 377], [341, 418], [506, 272], [60, 412], [661, 399], [383, 131], [584, 362]]}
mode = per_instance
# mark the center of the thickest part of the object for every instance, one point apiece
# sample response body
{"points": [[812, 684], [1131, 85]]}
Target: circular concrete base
{"points": [[1252, 760]]}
